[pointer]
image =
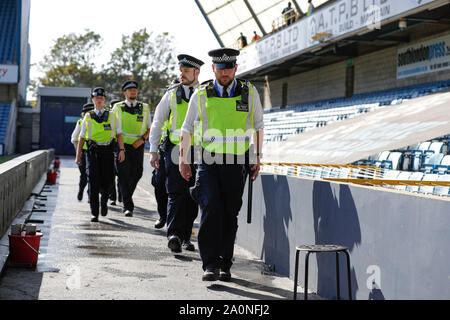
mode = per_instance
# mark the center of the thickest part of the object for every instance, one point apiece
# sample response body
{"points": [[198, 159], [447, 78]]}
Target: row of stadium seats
{"points": [[4, 116], [281, 124], [419, 176], [8, 31], [367, 175], [428, 157]]}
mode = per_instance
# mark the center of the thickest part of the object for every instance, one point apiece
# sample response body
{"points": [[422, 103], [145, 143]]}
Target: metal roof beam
{"points": [[209, 23], [252, 12]]}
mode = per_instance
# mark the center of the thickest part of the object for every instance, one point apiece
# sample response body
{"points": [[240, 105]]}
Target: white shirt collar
{"points": [[220, 87], [186, 89], [98, 112], [130, 104]]}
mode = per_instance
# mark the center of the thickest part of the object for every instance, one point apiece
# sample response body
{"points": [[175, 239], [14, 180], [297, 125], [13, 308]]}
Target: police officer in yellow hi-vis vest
{"points": [[181, 209], [74, 139], [99, 132], [230, 114], [133, 122]]}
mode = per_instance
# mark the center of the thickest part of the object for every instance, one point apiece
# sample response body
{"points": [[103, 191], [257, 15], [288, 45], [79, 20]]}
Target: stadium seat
{"points": [[444, 166], [393, 161], [404, 175], [430, 163], [428, 189], [415, 176], [442, 191]]}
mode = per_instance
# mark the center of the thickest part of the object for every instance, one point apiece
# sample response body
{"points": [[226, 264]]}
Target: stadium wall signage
{"points": [[9, 73], [340, 19], [424, 57]]}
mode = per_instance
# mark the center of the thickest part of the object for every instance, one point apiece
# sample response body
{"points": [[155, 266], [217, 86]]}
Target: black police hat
{"points": [[130, 84], [224, 58], [99, 91], [188, 61], [88, 107]]}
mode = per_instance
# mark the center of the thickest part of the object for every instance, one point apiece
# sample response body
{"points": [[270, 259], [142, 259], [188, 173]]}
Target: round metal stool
{"points": [[317, 249]]}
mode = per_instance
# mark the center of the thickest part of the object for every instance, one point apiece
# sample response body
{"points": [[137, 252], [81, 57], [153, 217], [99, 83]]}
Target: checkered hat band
{"points": [[224, 58], [192, 63]]}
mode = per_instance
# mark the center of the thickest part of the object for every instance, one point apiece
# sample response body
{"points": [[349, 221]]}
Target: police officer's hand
{"points": [[138, 143], [154, 160], [78, 160], [255, 169], [185, 170], [121, 156]]}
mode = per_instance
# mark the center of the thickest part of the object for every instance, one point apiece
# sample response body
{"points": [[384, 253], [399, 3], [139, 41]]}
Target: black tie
{"points": [[191, 91], [225, 92]]}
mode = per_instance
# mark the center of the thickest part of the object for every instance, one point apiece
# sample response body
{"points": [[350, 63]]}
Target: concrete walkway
{"points": [[123, 258]]}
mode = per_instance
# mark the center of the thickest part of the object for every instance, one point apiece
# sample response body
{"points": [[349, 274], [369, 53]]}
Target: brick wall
{"points": [[373, 72]]}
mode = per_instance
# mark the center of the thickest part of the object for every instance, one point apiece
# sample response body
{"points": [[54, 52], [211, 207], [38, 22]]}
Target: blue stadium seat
{"points": [[444, 166], [8, 31], [4, 116], [430, 164]]}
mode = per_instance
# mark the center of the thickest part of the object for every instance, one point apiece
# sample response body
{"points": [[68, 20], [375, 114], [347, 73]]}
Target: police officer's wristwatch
{"points": [[122, 150]]}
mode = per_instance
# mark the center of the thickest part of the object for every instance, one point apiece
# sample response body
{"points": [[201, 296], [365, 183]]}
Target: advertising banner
{"points": [[9, 73], [424, 57], [338, 19]]}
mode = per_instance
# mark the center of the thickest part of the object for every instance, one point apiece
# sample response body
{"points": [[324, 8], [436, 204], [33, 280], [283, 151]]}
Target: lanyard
{"points": [[232, 88]]}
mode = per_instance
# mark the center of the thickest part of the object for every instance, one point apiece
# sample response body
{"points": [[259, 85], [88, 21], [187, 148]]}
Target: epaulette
{"points": [[173, 86], [206, 82]]}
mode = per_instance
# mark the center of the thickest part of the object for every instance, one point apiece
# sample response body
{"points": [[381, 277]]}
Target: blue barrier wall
{"points": [[398, 242]]}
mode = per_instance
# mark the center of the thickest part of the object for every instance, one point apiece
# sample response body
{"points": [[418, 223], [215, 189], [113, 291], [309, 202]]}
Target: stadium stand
{"points": [[8, 31], [280, 124], [4, 116]]}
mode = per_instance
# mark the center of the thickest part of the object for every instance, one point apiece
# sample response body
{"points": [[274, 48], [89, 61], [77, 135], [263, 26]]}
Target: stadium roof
{"points": [[270, 56], [228, 18]]}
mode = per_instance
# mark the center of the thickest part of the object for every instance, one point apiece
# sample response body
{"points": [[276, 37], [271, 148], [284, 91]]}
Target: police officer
{"points": [[230, 112], [159, 183], [182, 209], [113, 194], [98, 130], [74, 139], [133, 121]]}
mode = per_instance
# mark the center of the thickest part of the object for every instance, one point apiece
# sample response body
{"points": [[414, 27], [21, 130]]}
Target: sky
{"points": [[50, 19]]}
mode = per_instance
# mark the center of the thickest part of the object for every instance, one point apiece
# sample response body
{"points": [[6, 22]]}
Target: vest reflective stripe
{"points": [[225, 139], [177, 115], [96, 131], [132, 129], [224, 129], [80, 123]]}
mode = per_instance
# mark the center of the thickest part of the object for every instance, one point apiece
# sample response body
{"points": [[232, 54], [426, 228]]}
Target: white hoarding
{"points": [[338, 19], [424, 57], [9, 73]]}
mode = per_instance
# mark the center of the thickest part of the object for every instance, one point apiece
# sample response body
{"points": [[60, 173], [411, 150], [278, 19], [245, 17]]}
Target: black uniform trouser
{"points": [[113, 192], [159, 183], [130, 172], [100, 168], [181, 209], [83, 173], [218, 191]]}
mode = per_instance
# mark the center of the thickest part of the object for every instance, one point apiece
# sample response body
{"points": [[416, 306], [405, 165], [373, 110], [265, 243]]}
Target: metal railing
{"points": [[355, 174]]}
